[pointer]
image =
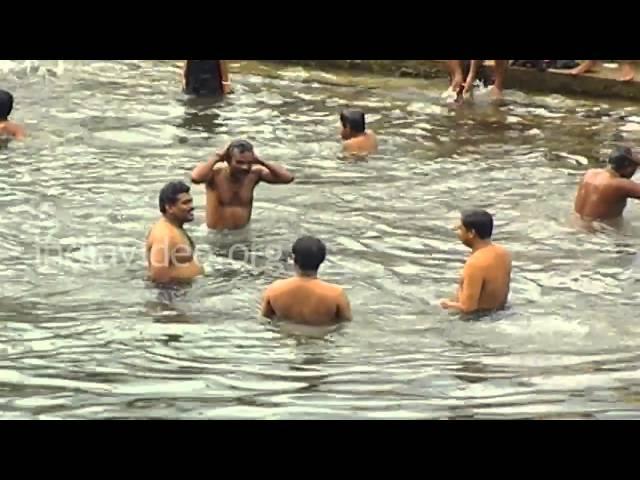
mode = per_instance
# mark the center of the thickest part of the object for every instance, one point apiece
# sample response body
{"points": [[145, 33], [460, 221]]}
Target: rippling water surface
{"points": [[83, 336]]}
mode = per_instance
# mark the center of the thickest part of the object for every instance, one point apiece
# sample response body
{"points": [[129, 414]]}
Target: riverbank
{"points": [[602, 83]]}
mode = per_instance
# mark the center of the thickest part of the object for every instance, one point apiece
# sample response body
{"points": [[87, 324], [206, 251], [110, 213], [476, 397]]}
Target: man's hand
{"points": [[219, 158], [446, 304], [226, 88]]}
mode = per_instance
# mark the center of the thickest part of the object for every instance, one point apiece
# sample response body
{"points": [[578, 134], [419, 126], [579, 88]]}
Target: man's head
{"points": [[308, 254], [240, 157], [475, 225], [6, 105], [624, 162], [353, 123], [176, 202]]}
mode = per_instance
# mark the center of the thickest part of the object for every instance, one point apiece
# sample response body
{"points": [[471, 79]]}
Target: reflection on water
{"points": [[84, 336]]}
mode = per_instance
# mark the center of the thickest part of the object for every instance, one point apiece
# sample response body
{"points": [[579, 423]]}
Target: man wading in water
{"points": [[170, 250], [486, 276], [305, 298], [603, 192], [357, 139], [230, 187], [7, 127]]}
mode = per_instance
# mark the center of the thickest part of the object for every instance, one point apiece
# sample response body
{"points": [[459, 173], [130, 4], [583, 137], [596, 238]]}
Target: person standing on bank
{"points": [[486, 277], [206, 78]]}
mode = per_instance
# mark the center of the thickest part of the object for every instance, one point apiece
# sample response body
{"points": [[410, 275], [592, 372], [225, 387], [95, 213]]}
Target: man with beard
{"points": [[230, 187]]}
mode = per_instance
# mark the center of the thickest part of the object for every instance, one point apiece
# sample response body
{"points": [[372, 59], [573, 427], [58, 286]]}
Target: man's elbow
{"points": [[159, 275], [468, 308], [196, 179]]}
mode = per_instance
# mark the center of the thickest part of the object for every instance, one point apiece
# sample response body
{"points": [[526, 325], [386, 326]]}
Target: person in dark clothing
{"points": [[206, 78]]}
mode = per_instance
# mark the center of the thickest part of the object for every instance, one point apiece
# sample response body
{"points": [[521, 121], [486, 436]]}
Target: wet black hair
{"points": [[170, 193], [241, 146], [6, 104], [480, 221], [354, 119], [621, 158], [309, 253]]}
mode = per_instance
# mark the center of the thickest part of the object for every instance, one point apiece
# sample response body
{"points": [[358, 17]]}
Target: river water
{"points": [[82, 336]]}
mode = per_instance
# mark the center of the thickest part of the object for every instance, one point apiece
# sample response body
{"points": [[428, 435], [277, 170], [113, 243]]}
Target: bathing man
{"points": [[486, 277], [229, 188]]}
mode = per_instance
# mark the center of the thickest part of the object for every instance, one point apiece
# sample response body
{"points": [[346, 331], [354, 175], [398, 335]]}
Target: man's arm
{"points": [[267, 309], [204, 172], [632, 189], [274, 174], [343, 310], [159, 259], [469, 295]]}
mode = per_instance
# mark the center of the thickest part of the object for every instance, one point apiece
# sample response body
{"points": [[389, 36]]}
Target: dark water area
{"points": [[83, 336]]}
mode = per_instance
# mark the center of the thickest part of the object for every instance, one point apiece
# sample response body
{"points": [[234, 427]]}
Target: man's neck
{"points": [[613, 173], [173, 221], [301, 274], [479, 245]]}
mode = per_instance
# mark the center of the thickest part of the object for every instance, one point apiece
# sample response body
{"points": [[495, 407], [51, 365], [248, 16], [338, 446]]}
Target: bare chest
{"points": [[234, 193]]}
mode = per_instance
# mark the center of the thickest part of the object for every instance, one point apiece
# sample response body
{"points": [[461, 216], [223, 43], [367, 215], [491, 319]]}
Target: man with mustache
{"points": [[230, 187], [170, 250]]}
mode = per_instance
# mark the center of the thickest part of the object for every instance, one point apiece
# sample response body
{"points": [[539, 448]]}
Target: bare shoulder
{"points": [[332, 288], [503, 252], [162, 230], [275, 286], [216, 173]]}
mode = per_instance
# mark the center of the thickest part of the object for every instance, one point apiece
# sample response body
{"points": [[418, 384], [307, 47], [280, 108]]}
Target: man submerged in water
{"points": [[357, 139], [305, 298], [230, 187], [206, 78], [603, 192], [170, 250], [7, 127], [486, 276]]}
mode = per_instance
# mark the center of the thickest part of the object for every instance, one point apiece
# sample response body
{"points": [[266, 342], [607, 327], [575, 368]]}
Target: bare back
{"points": [[367, 143], [229, 202], [309, 301], [602, 195], [487, 278], [11, 129]]}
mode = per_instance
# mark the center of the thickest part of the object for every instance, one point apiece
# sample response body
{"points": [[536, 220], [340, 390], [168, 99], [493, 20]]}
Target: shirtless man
{"points": [[230, 187], [357, 139], [7, 127], [486, 276], [170, 250], [603, 192], [305, 298]]}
